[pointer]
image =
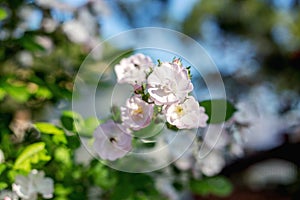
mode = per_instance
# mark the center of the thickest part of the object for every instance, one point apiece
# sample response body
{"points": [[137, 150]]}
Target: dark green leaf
{"points": [[218, 110], [218, 186], [72, 121], [73, 141], [29, 43]]}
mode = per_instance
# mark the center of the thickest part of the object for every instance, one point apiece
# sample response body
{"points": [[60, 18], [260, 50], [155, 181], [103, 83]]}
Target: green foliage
{"points": [[32, 154], [217, 186], [72, 121], [140, 185], [3, 14], [218, 110], [101, 176], [48, 128]]}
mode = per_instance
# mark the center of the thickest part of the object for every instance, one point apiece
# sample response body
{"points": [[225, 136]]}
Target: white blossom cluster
{"points": [[163, 90], [29, 187]]}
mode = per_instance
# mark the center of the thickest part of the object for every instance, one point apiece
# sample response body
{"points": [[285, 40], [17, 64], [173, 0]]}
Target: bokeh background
{"points": [[255, 44]]}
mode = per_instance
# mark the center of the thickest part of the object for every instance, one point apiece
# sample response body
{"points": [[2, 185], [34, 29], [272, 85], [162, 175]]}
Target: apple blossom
{"points": [[8, 195], [2, 158], [187, 114], [112, 141], [212, 163], [28, 187], [133, 70], [169, 83], [137, 113]]}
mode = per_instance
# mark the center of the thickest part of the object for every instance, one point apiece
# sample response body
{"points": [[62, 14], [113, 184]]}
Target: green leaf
{"points": [[44, 93], [218, 186], [90, 124], [48, 128], [59, 139], [62, 155], [3, 14], [32, 154], [72, 121], [73, 141], [151, 130], [18, 93], [2, 94], [116, 114], [2, 168], [29, 43], [218, 110], [3, 185]]}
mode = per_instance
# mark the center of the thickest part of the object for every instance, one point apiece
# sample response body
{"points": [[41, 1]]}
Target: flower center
{"points": [[179, 110], [112, 140], [137, 111]]}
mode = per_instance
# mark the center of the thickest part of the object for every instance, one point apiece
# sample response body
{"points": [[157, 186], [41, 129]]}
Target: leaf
{"points": [[3, 185], [29, 43], [18, 93], [218, 110], [73, 142], [90, 124], [32, 154], [62, 155], [116, 114], [59, 139], [72, 121], [2, 168], [3, 14], [218, 186], [2, 94], [44, 93], [48, 128]]}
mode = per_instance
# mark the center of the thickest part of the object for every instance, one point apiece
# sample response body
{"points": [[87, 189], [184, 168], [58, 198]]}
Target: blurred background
{"points": [[255, 44]]}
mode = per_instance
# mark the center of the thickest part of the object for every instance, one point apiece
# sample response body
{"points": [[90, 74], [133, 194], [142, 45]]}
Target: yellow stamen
{"points": [[179, 110], [137, 111]]}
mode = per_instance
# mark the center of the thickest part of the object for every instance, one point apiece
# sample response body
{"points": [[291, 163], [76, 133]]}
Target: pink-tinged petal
{"points": [[168, 84], [112, 141], [137, 113], [186, 115], [133, 70]]}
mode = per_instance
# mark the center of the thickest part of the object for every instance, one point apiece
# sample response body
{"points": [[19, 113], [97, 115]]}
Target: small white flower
{"points": [[187, 114], [112, 141], [211, 164], [133, 70], [28, 187], [76, 31], [216, 136], [2, 158], [8, 195], [137, 114], [169, 83]]}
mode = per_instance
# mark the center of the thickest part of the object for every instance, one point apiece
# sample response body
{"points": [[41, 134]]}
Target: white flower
{"points": [[76, 31], [28, 187], [216, 136], [137, 114], [133, 70], [212, 163], [8, 195], [112, 141], [187, 114], [2, 158], [169, 83]]}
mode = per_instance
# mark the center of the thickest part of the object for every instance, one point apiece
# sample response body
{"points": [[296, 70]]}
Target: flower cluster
{"points": [[29, 187], [159, 90]]}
